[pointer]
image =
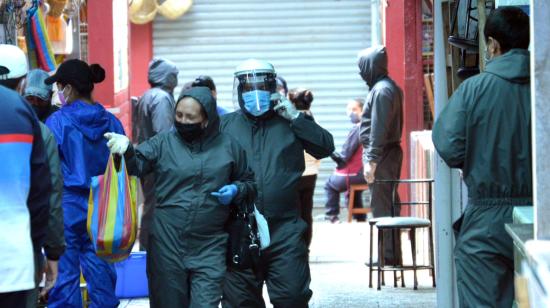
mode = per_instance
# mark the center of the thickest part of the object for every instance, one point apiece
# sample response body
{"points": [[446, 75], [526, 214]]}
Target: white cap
{"points": [[254, 66], [13, 62]]}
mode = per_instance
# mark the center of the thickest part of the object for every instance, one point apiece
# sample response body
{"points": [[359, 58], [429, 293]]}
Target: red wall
{"points": [[100, 50], [404, 46], [141, 46]]}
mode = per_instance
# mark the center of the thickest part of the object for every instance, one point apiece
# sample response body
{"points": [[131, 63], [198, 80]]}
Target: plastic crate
{"points": [[131, 276]]}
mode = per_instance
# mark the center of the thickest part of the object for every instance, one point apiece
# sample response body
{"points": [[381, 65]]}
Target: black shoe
{"points": [[375, 264], [332, 218]]}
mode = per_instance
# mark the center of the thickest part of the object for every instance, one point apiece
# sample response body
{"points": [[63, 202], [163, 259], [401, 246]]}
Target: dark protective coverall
{"points": [[155, 114], [78, 129], [381, 128], [54, 245], [187, 240], [485, 130], [275, 149]]}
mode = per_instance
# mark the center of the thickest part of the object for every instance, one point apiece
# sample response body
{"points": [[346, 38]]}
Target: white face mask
{"points": [[61, 95]]}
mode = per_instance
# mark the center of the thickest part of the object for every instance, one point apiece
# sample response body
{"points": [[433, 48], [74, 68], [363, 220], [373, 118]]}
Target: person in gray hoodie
{"points": [[155, 114], [485, 130], [380, 134]]}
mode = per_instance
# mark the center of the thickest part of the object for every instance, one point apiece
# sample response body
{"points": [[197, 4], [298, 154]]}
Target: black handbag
{"points": [[243, 251]]}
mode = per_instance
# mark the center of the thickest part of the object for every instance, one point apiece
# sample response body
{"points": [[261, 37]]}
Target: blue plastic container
{"points": [[131, 276]]}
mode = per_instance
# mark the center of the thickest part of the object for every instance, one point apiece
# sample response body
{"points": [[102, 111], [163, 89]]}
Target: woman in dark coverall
{"points": [[199, 172]]}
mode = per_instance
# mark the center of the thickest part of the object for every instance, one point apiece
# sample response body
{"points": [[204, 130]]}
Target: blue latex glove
{"points": [[226, 194]]}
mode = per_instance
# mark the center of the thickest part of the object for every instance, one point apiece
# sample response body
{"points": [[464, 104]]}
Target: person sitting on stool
{"points": [[349, 168]]}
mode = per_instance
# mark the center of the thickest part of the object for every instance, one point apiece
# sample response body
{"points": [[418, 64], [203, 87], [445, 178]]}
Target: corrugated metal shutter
{"points": [[312, 44]]}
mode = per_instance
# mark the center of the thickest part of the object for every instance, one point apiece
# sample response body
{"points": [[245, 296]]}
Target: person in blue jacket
{"points": [[78, 128]]}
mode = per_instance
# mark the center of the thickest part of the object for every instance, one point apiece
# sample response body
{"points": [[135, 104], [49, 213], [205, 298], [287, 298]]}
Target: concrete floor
{"points": [[340, 278]]}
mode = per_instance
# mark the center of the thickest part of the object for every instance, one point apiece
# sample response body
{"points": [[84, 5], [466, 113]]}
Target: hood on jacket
{"points": [[163, 73], [512, 66], [373, 64], [204, 96], [92, 120]]}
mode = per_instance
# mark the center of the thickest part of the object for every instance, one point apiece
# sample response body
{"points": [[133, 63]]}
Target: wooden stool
{"points": [[352, 190]]}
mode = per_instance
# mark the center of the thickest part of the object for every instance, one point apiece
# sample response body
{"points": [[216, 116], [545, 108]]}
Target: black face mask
{"points": [[189, 132], [42, 112]]}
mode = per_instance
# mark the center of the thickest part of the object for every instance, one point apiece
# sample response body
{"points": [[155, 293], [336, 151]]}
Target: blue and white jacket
{"points": [[25, 189]]}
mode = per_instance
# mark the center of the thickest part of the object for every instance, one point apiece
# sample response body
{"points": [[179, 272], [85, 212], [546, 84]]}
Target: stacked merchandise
{"points": [[422, 167]]}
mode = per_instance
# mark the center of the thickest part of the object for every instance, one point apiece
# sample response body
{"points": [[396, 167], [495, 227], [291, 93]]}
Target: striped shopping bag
{"points": [[112, 213]]}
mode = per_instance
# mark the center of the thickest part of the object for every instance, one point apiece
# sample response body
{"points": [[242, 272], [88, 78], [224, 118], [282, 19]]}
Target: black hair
{"points": [[204, 81], [84, 85], [508, 25], [360, 101], [282, 82], [11, 83], [301, 98]]}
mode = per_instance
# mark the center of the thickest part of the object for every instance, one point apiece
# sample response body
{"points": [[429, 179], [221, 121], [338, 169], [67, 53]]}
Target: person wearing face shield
{"points": [[78, 128], [199, 173], [380, 135], [485, 130], [274, 135], [349, 168]]}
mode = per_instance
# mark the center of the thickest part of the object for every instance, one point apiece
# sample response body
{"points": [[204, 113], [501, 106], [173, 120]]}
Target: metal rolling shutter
{"points": [[312, 44]]}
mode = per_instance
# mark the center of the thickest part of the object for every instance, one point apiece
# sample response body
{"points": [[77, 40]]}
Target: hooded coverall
{"points": [[78, 129], [154, 114], [381, 128], [275, 150], [485, 130], [187, 240]]}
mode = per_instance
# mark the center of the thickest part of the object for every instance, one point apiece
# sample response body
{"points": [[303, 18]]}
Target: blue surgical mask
{"points": [[257, 102]]}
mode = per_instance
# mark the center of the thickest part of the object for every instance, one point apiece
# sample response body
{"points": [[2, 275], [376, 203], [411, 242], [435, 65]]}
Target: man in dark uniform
{"points": [[381, 128], [485, 130], [274, 135]]}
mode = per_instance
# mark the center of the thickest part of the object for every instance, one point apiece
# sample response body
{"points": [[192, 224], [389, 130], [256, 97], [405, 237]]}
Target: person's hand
{"points": [[118, 144], [369, 171], [51, 271], [285, 108], [226, 194], [337, 158]]}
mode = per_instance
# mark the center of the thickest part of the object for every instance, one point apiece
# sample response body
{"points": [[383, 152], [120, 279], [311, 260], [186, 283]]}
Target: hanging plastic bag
{"points": [[263, 229], [112, 213]]}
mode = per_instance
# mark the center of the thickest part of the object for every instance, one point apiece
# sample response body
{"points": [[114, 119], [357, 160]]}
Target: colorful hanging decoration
{"points": [[38, 44]]}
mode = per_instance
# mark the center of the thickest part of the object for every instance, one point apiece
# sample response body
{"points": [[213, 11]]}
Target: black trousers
{"points": [[185, 270], [484, 257], [149, 203], [283, 266], [306, 188], [14, 299], [389, 168]]}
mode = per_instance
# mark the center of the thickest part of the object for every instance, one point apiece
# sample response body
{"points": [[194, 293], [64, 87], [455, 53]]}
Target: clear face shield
{"points": [[252, 91]]}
